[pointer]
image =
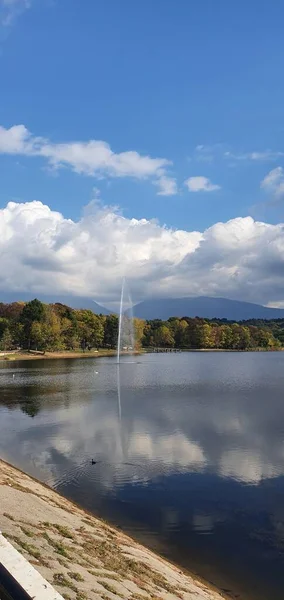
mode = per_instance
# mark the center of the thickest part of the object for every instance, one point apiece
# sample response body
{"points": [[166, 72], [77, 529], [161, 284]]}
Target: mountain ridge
{"points": [[163, 308], [72, 301], [206, 307]]}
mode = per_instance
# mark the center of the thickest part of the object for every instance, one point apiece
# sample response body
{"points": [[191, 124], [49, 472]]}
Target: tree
{"points": [[38, 336], [163, 337], [6, 342], [138, 332], [90, 329], [147, 339], [52, 331], [32, 311], [69, 333], [111, 331], [4, 324]]}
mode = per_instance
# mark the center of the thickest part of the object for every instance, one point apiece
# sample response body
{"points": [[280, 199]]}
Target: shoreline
{"points": [[107, 561], [11, 356], [33, 355]]}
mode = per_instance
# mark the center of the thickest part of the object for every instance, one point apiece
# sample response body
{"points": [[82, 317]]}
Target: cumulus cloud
{"points": [[273, 182], [41, 250], [11, 9], [200, 184], [93, 158], [167, 186]]}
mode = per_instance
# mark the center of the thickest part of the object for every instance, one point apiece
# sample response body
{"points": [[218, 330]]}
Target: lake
{"points": [[189, 452]]}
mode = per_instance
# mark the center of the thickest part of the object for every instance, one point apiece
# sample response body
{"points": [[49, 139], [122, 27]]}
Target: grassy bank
{"points": [[80, 555], [25, 355]]}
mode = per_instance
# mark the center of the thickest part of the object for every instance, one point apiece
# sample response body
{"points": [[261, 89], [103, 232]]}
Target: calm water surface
{"points": [[189, 450]]}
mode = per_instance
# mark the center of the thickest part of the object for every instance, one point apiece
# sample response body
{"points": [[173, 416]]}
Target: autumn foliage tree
{"points": [[54, 327]]}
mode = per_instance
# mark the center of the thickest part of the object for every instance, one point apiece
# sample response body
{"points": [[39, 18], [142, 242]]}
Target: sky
{"points": [[142, 139]]}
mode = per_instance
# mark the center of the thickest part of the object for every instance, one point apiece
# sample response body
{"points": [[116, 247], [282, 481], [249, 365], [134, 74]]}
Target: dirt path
{"points": [[80, 555]]}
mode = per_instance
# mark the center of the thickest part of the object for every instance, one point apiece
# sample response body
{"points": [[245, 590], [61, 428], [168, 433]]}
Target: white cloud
{"points": [[220, 151], [11, 9], [246, 466], [172, 449], [93, 158], [274, 182], [167, 186], [41, 250], [200, 184], [257, 156], [207, 153], [279, 304]]}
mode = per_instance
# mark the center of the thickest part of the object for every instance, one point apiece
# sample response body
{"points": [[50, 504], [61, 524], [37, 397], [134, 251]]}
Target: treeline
{"points": [[54, 327], [204, 333]]}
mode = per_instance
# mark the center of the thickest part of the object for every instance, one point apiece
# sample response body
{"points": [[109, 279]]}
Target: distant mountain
{"points": [[72, 301], [202, 306]]}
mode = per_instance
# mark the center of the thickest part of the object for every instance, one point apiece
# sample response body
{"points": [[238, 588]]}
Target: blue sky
{"points": [[157, 77], [196, 87]]}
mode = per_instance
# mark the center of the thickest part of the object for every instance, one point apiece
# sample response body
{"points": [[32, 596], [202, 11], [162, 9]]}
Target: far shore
{"points": [[34, 355]]}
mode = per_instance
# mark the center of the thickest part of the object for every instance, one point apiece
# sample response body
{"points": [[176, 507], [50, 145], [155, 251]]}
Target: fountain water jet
{"points": [[126, 324]]}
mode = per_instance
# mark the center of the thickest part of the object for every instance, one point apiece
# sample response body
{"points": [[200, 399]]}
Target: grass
{"points": [[31, 550], [63, 563], [58, 547], [60, 579], [151, 576], [85, 563], [27, 532], [117, 562], [108, 586], [76, 576], [101, 573], [64, 531]]}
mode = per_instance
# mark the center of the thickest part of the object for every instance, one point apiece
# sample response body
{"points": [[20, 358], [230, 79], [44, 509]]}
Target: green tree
{"points": [[38, 338], [138, 332], [163, 337], [90, 329], [181, 334], [4, 324], [32, 311], [6, 342], [69, 333], [111, 331], [52, 331]]}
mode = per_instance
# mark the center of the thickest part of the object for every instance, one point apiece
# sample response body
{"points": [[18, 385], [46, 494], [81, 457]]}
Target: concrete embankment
{"points": [[81, 556]]}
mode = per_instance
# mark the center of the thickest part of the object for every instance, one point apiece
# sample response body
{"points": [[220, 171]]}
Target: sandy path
{"points": [[84, 558]]}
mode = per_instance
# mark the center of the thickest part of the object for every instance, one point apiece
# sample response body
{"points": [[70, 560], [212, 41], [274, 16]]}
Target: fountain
{"points": [[125, 340]]}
